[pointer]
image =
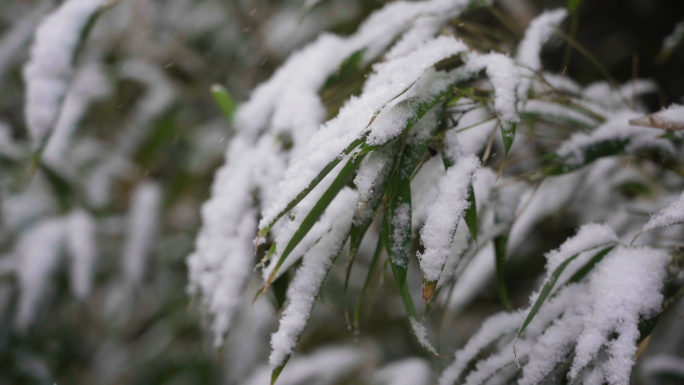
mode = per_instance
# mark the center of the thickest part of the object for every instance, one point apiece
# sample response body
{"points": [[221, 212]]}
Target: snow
{"points": [[555, 112], [670, 118], [529, 49], [49, 70], [143, 225], [617, 128], [505, 77], [626, 288], [39, 250], [341, 205], [675, 37], [89, 85], [408, 371], [479, 124], [304, 289], [375, 166], [82, 247], [672, 214], [492, 329], [443, 216], [421, 333], [388, 80], [588, 236], [401, 228], [223, 256], [324, 366]]}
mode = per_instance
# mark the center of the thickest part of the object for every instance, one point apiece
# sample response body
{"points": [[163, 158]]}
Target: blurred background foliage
{"points": [[152, 332]]}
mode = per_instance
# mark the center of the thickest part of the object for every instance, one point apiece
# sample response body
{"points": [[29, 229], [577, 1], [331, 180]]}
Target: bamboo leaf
{"points": [[548, 287], [224, 100], [326, 170], [315, 213], [590, 153], [507, 135], [366, 285]]}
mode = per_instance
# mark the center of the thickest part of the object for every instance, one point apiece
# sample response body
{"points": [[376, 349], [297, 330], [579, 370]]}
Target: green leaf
{"points": [[316, 212], [346, 68], [584, 270], [224, 100], [550, 283], [507, 135], [361, 224], [326, 170], [590, 153], [366, 285], [500, 246], [471, 213], [574, 5]]}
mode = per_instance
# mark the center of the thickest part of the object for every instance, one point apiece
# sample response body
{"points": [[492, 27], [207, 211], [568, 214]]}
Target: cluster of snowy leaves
{"points": [[425, 95]]}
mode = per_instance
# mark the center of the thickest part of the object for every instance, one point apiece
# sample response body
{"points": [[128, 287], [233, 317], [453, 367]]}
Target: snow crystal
{"points": [[304, 289], [82, 247], [671, 215], [443, 216], [49, 70], [143, 223], [529, 49]]}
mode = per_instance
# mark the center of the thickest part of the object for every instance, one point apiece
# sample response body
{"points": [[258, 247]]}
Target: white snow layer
{"points": [[143, 225], [529, 49], [443, 216], [408, 371], [82, 247], [670, 118], [304, 289], [672, 214], [48, 72], [39, 250]]}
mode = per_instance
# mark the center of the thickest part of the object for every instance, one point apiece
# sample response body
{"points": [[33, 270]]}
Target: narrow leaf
{"points": [[366, 285], [326, 170], [507, 135], [224, 100], [316, 212]]}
